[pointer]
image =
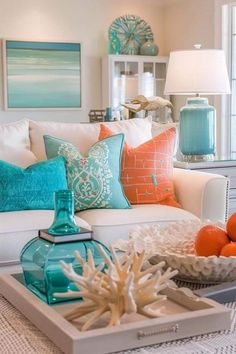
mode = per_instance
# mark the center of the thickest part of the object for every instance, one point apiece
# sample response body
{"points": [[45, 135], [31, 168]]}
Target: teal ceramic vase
{"points": [[64, 222], [149, 48], [114, 43], [197, 129]]}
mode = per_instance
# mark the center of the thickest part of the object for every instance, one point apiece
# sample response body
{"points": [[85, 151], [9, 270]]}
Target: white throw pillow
{"points": [[158, 128], [136, 130], [15, 143], [84, 135]]}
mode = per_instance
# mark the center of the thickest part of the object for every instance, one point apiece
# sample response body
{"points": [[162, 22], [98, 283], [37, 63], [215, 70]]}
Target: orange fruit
{"points": [[209, 241], [229, 250], [231, 227]]}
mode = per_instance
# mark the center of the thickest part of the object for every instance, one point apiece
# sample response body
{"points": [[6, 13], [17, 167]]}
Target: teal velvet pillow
{"points": [[32, 187], [95, 179]]}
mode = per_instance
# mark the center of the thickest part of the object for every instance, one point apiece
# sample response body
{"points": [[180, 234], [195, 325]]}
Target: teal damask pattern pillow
{"points": [[95, 179], [32, 187]]}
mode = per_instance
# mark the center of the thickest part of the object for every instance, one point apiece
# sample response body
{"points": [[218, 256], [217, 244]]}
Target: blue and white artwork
{"points": [[43, 74]]}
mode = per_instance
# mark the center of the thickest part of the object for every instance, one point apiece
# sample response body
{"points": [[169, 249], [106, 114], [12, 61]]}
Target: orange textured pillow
{"points": [[147, 170]]}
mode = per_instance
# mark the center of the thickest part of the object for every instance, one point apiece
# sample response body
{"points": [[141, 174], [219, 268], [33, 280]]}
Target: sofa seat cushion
{"points": [[110, 224], [18, 227]]}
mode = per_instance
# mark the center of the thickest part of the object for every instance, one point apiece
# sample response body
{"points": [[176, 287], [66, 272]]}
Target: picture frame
{"points": [[42, 75]]}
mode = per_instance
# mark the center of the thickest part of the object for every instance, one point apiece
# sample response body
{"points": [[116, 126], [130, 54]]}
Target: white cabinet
{"points": [[126, 76]]}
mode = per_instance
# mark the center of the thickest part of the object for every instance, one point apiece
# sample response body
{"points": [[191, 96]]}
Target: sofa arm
{"points": [[203, 194]]}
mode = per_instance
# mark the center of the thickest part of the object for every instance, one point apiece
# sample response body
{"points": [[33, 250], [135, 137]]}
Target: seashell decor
{"points": [[177, 237], [174, 244], [124, 288]]}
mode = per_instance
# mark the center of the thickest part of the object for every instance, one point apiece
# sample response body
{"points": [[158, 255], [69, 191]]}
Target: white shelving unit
{"points": [[126, 76]]}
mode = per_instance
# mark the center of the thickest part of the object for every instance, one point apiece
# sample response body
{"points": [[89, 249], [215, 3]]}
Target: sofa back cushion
{"points": [[83, 136], [32, 187], [15, 143]]}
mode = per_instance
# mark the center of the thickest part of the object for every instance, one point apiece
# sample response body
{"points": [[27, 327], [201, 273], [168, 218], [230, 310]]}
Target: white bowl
{"points": [[180, 254], [174, 244], [193, 268]]}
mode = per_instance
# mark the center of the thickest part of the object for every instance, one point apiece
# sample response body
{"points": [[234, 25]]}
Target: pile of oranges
{"points": [[211, 240]]}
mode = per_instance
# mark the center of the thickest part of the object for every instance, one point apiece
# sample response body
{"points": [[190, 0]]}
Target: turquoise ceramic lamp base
{"points": [[197, 130]]}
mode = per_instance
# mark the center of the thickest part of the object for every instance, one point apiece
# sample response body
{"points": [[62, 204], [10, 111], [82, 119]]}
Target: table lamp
{"points": [[197, 72]]}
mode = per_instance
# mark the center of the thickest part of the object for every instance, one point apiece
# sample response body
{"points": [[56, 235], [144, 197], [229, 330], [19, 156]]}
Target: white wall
{"points": [[73, 20]]}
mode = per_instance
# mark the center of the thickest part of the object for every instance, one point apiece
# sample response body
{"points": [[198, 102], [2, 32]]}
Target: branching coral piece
{"points": [[124, 288]]}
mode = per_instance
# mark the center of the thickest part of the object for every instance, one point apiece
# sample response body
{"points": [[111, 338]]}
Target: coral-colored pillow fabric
{"points": [[147, 170]]}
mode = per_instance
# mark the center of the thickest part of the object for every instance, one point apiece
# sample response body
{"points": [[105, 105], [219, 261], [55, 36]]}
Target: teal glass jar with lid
{"points": [[40, 257]]}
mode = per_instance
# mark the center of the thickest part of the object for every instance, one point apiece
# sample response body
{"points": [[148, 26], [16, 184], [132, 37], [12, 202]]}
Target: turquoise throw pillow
{"points": [[32, 187], [95, 179]]}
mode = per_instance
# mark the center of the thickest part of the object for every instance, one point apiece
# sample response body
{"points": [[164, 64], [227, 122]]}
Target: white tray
{"points": [[186, 315]]}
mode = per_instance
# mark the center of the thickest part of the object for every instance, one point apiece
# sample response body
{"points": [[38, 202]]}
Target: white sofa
{"points": [[201, 195]]}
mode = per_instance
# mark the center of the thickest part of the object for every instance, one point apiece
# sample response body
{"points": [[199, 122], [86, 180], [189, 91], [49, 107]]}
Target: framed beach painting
{"points": [[42, 75]]}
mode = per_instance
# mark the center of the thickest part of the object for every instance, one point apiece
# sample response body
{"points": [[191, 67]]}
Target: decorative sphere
{"points": [[149, 48]]}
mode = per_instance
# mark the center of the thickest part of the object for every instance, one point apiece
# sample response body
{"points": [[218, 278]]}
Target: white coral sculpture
{"points": [[124, 288], [141, 102]]}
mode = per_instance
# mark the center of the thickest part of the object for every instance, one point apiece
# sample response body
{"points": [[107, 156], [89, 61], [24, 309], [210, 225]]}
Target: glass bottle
{"points": [[64, 222], [42, 272], [114, 43]]}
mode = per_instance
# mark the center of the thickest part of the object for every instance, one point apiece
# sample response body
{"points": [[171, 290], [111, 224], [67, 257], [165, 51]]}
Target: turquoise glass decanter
{"points": [[40, 257], [42, 272], [64, 222]]}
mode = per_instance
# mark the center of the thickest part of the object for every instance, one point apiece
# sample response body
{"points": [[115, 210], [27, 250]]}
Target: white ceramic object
{"points": [[174, 244], [124, 288]]}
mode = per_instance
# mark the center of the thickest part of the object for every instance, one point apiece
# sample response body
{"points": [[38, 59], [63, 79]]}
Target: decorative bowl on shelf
{"points": [[174, 244]]}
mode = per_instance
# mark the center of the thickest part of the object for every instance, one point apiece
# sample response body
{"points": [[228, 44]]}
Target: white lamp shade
{"points": [[197, 72]]}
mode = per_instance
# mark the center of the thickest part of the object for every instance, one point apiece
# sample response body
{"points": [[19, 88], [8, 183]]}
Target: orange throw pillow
{"points": [[147, 170]]}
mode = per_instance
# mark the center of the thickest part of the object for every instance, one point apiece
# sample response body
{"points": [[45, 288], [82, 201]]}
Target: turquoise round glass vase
{"points": [[42, 272], [64, 222], [149, 48], [197, 130]]}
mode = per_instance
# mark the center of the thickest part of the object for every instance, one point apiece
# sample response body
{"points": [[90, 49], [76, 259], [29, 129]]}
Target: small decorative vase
{"points": [[64, 222], [149, 48], [114, 43], [108, 114]]}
